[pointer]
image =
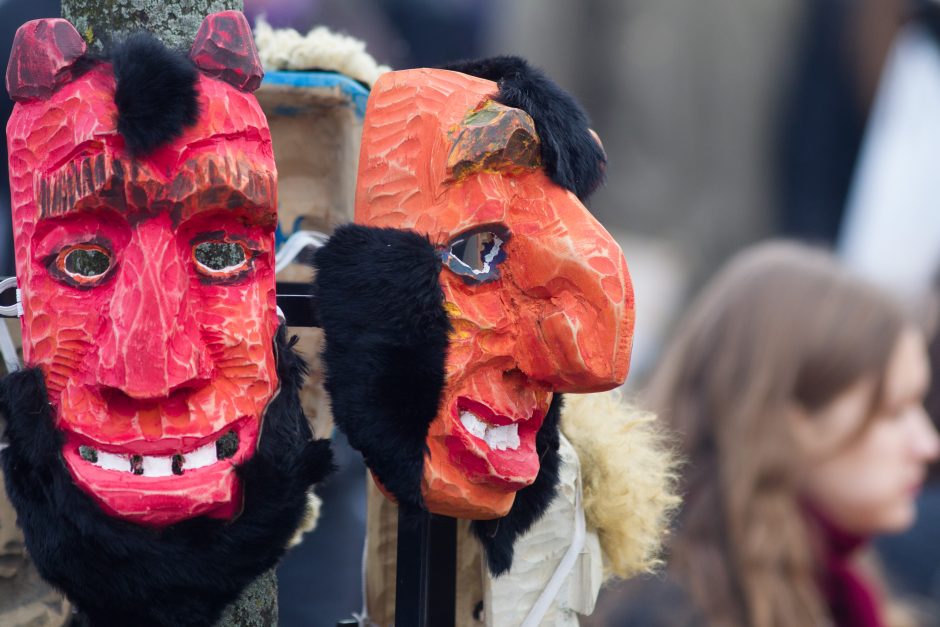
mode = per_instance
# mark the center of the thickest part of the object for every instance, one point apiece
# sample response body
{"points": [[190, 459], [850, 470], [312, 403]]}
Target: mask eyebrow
{"points": [[92, 176], [89, 176], [87, 148], [211, 182], [248, 135]]}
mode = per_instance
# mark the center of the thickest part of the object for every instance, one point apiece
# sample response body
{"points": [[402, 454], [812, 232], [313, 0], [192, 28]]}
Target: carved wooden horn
{"points": [[225, 48], [43, 58]]}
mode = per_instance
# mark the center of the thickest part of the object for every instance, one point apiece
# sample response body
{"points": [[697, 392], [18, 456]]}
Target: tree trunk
{"points": [[173, 21], [256, 607]]}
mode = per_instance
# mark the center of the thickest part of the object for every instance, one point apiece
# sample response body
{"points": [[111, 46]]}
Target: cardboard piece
{"points": [[316, 123]]}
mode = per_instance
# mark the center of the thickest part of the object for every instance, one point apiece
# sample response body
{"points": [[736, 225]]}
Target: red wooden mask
{"points": [[537, 291], [146, 275]]}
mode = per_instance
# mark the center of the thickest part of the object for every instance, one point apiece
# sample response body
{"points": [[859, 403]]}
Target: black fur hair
{"points": [[498, 536], [156, 92], [118, 573], [570, 154], [381, 308]]}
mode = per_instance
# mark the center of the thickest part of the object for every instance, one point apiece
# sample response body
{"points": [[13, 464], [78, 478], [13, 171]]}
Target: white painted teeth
{"points": [[202, 456], [474, 425], [163, 465], [108, 461], [156, 466], [502, 438], [497, 438]]}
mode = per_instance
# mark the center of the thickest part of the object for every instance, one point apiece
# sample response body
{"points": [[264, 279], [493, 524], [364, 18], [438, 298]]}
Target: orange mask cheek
{"points": [[558, 319], [482, 443]]}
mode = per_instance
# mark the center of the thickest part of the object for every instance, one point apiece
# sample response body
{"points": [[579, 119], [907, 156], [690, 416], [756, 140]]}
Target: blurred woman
{"points": [[797, 392]]}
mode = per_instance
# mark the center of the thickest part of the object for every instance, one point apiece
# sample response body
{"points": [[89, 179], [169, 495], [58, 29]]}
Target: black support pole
{"points": [[426, 577]]}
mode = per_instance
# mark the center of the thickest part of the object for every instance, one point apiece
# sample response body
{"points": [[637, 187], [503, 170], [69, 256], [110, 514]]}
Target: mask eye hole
{"points": [[476, 255], [84, 263], [220, 259]]}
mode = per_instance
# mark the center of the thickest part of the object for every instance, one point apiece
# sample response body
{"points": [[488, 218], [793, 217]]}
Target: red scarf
{"points": [[851, 599]]}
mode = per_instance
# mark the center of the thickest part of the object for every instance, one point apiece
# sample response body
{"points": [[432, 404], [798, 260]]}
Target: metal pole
{"points": [[426, 575]]}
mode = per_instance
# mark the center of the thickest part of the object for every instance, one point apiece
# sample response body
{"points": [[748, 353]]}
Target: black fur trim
{"points": [[118, 573], [156, 92], [382, 312], [570, 154], [498, 536]]}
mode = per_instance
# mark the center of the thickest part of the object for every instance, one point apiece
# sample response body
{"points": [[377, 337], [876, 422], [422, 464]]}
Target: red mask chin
{"points": [[537, 292], [148, 293], [174, 481]]}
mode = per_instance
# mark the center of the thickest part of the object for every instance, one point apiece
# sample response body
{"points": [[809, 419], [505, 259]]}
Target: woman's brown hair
{"points": [[781, 326]]}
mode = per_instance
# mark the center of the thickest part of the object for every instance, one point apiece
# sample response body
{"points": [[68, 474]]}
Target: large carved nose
{"points": [[151, 343], [577, 309]]}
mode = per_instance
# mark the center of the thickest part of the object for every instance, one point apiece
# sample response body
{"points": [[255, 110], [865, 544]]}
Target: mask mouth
{"points": [[494, 448], [161, 482], [498, 432], [221, 446], [497, 437]]}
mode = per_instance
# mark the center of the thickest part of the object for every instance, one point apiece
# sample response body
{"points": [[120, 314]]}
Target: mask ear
{"points": [[225, 48], [43, 58]]}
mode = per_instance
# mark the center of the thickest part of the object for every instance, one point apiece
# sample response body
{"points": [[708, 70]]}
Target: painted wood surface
{"points": [[538, 292]]}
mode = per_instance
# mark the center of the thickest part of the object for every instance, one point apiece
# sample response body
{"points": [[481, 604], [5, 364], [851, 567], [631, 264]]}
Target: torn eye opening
{"points": [[220, 258], [84, 263], [475, 255]]}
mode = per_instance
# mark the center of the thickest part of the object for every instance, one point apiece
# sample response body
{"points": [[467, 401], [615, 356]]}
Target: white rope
{"points": [[295, 244], [363, 616], [10, 359], [547, 597], [8, 311]]}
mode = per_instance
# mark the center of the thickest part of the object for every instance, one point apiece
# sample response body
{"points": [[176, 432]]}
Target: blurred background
{"points": [[725, 122]]}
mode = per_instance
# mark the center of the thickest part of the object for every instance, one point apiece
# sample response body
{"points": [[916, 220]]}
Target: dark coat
{"points": [[646, 601]]}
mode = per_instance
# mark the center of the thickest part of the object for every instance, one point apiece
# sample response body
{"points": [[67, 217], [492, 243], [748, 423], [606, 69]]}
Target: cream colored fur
{"points": [[310, 519], [320, 49], [629, 475]]}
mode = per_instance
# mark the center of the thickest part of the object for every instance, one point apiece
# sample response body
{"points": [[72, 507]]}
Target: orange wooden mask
{"points": [[537, 291]]}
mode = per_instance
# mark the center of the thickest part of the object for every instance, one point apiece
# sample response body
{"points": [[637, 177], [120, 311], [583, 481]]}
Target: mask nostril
{"points": [[175, 402], [515, 376]]}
